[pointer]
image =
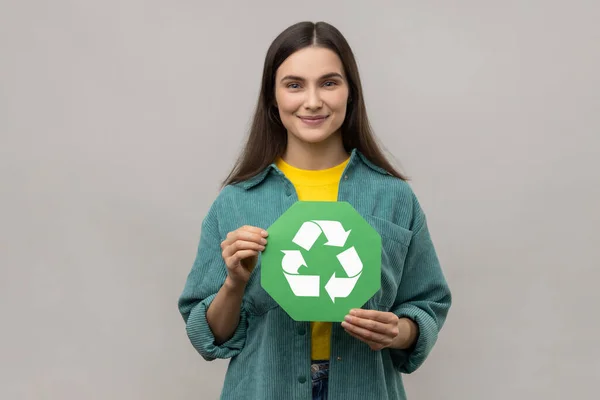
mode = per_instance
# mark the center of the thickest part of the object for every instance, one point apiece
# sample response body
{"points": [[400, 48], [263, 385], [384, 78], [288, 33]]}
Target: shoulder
{"points": [[239, 196], [227, 197], [371, 174], [399, 188], [387, 184], [392, 197], [231, 192]]}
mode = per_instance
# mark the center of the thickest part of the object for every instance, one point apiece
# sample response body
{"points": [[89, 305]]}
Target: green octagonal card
{"points": [[321, 260]]}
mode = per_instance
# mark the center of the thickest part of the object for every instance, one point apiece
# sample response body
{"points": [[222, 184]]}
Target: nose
{"points": [[313, 99]]}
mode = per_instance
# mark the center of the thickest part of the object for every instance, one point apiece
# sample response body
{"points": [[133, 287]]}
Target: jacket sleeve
{"points": [[423, 296], [206, 277]]}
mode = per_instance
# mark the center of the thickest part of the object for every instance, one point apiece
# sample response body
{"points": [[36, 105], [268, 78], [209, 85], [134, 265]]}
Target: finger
{"points": [[384, 317], [241, 245], [366, 334], [249, 236], [389, 329], [255, 229], [236, 258], [372, 345], [245, 237]]}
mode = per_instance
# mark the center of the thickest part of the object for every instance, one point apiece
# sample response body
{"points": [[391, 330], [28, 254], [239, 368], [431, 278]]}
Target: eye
{"points": [[293, 86], [330, 84]]}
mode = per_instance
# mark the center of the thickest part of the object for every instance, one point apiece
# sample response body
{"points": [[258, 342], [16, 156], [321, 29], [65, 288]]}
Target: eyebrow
{"points": [[299, 78]]}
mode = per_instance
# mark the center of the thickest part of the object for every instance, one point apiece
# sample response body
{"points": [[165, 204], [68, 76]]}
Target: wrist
{"points": [[234, 287], [408, 333]]}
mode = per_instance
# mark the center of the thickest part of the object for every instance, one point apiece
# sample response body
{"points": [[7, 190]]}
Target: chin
{"points": [[313, 137]]}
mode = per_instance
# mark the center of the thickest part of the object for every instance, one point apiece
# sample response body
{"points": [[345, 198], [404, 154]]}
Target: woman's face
{"points": [[311, 93]]}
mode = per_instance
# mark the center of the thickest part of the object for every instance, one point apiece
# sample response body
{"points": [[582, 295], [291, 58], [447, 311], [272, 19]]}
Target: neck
{"points": [[315, 156]]}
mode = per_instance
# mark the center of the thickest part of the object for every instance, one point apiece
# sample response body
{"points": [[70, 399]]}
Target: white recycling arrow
{"points": [[342, 287], [304, 285], [307, 235], [301, 285], [334, 232], [292, 261], [350, 262]]}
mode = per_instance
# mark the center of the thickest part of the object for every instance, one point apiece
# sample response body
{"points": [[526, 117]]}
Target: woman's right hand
{"points": [[240, 252]]}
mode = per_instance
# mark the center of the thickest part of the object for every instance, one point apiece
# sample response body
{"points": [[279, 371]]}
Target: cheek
{"points": [[288, 103], [338, 101]]}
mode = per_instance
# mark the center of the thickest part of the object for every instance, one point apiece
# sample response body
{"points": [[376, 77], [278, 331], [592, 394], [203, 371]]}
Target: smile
{"points": [[314, 120]]}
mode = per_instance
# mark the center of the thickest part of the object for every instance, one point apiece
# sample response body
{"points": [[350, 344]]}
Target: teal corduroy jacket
{"points": [[270, 352]]}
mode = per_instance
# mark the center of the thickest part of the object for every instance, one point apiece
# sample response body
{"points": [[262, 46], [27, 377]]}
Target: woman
{"points": [[310, 140]]}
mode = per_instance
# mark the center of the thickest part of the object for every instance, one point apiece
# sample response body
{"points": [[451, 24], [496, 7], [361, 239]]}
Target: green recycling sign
{"points": [[321, 260]]}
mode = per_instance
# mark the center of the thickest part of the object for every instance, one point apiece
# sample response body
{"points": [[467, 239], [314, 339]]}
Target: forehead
{"points": [[311, 62]]}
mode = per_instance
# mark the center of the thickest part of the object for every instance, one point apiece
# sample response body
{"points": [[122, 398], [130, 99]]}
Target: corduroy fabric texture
{"points": [[271, 353]]}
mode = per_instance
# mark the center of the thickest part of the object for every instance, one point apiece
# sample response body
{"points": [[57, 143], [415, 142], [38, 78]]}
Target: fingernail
{"points": [[263, 241], [353, 312], [348, 318], [264, 233]]}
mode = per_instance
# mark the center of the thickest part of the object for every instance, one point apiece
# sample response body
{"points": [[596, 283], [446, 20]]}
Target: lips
{"points": [[313, 120], [312, 117]]}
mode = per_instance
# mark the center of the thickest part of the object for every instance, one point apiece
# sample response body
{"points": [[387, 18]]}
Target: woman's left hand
{"points": [[379, 329]]}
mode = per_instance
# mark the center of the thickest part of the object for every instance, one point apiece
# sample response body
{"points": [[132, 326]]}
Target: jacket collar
{"points": [[355, 157]]}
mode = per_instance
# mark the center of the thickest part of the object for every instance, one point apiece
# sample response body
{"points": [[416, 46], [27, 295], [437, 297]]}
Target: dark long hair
{"points": [[267, 139]]}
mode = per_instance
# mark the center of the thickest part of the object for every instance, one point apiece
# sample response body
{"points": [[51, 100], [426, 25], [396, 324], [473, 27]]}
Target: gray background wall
{"points": [[118, 119]]}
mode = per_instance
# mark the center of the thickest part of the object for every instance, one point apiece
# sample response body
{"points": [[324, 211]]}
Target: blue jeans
{"points": [[319, 372]]}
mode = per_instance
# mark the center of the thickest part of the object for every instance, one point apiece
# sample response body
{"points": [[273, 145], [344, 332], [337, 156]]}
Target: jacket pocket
{"points": [[395, 241]]}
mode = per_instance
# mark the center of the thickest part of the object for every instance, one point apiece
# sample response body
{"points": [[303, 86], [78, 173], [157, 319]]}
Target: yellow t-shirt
{"points": [[321, 185]]}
